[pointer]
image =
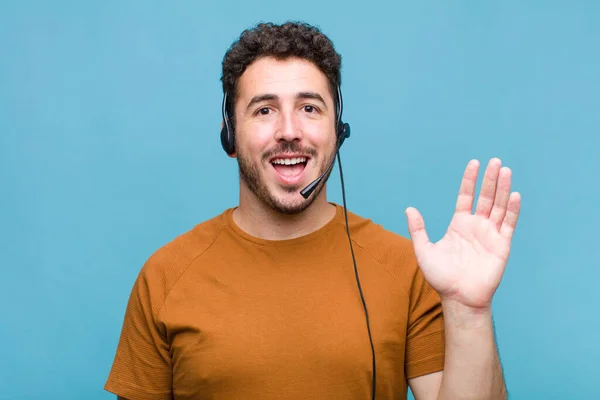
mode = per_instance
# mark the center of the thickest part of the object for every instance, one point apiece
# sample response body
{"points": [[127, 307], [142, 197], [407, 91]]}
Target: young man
{"points": [[264, 302]]}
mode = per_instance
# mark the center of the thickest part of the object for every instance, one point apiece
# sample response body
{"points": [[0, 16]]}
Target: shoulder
{"points": [[188, 245], [165, 266], [391, 250]]}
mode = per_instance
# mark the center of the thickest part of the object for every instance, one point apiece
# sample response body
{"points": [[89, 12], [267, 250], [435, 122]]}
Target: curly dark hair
{"points": [[291, 39]]}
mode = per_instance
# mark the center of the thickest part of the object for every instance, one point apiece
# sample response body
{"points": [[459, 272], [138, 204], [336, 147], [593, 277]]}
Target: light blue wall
{"points": [[109, 118]]}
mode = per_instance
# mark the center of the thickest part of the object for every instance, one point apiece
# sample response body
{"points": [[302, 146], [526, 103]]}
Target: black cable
{"points": [[374, 385]]}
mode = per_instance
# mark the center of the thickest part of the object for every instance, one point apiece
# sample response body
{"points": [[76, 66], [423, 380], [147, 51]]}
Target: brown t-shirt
{"points": [[219, 314]]}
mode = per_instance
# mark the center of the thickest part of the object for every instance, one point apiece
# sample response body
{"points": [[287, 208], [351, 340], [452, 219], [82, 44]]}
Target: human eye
{"points": [[263, 111], [309, 108]]}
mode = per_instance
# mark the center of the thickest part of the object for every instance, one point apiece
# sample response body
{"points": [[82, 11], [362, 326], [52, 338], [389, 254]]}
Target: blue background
{"points": [[109, 120]]}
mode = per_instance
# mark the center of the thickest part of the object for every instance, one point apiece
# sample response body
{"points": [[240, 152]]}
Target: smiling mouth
{"points": [[290, 169]]}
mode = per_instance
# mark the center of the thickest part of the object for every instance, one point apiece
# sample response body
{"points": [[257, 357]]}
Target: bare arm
{"points": [[426, 387], [472, 368]]}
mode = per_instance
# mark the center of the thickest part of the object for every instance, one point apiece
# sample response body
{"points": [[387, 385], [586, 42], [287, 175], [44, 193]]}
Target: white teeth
{"points": [[289, 161]]}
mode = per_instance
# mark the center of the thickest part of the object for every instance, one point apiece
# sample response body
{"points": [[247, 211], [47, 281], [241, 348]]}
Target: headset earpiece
{"points": [[343, 129], [227, 131], [343, 133], [227, 140]]}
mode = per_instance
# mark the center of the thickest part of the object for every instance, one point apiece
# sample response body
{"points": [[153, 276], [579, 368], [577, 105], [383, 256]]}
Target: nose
{"points": [[289, 129]]}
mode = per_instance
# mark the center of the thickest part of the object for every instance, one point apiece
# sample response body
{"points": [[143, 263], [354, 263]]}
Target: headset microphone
{"points": [[307, 191]]}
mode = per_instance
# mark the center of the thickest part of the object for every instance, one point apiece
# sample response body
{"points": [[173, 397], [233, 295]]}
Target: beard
{"points": [[250, 173]]}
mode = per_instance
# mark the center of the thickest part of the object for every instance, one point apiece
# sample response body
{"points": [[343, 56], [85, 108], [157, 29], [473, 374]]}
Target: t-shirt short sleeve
{"points": [[142, 364], [425, 337]]}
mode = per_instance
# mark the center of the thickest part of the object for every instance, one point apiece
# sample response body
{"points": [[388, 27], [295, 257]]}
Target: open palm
{"points": [[467, 264]]}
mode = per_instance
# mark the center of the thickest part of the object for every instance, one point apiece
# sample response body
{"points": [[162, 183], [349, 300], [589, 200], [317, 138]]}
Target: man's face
{"points": [[285, 130]]}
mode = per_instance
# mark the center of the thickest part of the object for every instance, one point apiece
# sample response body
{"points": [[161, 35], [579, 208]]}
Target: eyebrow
{"points": [[299, 95]]}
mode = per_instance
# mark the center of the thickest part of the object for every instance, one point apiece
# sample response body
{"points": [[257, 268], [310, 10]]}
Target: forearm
{"points": [[472, 368]]}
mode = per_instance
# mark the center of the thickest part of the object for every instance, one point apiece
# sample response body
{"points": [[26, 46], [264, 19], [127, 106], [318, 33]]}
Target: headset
{"points": [[342, 133]]}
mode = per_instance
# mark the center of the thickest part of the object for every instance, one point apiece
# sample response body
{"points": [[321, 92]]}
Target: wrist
{"points": [[467, 317]]}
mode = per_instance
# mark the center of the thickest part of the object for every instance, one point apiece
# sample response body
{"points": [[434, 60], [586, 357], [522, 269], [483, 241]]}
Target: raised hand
{"points": [[467, 264]]}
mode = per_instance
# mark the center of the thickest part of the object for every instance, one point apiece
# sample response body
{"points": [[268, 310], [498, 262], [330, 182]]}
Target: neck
{"points": [[257, 219]]}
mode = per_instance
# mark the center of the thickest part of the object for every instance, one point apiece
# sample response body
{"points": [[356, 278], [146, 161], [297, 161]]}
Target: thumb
{"points": [[416, 229]]}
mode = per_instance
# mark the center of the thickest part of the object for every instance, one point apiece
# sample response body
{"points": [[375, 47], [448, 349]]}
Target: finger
{"points": [[512, 216], [416, 229], [488, 188], [502, 195], [466, 193]]}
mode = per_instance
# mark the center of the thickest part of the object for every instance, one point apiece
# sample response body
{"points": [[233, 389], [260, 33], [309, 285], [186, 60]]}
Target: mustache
{"points": [[289, 147]]}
